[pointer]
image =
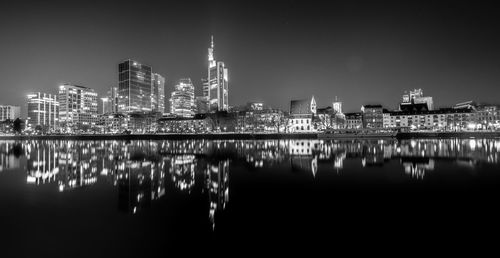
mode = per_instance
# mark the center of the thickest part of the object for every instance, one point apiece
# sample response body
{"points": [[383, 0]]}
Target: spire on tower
{"points": [[212, 43]]}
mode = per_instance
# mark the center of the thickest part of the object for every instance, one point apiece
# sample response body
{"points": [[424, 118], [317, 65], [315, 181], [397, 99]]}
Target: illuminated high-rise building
{"points": [[43, 110], [77, 105], [110, 102], [201, 105], [8, 112], [134, 87], [216, 85], [182, 102], [158, 93]]}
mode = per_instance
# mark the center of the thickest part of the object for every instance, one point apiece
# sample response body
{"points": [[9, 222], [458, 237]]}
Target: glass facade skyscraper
{"points": [[110, 102], [134, 87], [182, 101], [216, 86], [158, 93]]}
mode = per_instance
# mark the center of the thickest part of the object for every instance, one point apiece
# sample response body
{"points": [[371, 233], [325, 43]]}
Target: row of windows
{"points": [[301, 121]]}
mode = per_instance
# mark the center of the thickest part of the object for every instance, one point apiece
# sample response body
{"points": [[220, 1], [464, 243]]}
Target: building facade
{"points": [[416, 101], [134, 87], [301, 116], [182, 101], [353, 121], [77, 106], [446, 119], [216, 87], [266, 120], [372, 116], [8, 112], [197, 124], [110, 102], [202, 105], [158, 93], [43, 111]]}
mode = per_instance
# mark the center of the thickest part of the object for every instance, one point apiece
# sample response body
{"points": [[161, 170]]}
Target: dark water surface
{"points": [[145, 198]]}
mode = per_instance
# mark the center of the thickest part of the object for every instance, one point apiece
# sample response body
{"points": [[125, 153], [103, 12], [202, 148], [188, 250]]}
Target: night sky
{"points": [[362, 52]]}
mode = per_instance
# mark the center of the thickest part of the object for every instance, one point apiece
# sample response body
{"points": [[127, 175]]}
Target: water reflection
{"points": [[141, 171]]}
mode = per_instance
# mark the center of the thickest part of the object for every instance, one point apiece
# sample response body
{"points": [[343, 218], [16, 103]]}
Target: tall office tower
{"points": [[201, 105], [206, 90], [106, 105], [134, 87], [113, 98], [43, 110], [8, 112], [77, 106], [110, 102], [182, 99], [217, 83], [158, 93]]}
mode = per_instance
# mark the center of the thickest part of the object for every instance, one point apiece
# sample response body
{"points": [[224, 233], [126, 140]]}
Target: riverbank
{"points": [[420, 135], [208, 136], [237, 136]]}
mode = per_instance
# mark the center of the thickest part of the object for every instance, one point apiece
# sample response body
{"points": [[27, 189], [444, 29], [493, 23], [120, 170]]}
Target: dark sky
{"points": [[362, 52]]}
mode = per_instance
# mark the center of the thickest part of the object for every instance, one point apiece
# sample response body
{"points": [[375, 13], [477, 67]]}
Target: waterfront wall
{"points": [[237, 136], [211, 136]]}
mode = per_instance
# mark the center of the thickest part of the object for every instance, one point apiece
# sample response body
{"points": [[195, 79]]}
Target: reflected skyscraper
{"points": [[182, 170], [134, 185], [43, 163], [218, 187], [10, 153]]}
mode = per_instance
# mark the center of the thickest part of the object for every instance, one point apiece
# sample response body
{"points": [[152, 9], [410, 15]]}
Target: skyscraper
{"points": [[134, 87], [9, 112], [110, 102], [77, 106], [201, 105], [158, 93], [216, 86], [43, 110], [182, 102]]}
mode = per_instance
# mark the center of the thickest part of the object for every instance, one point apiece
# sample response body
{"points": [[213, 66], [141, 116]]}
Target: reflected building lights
{"points": [[141, 170]]}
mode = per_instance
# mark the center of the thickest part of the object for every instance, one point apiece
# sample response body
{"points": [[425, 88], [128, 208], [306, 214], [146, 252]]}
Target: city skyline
{"points": [[289, 50]]}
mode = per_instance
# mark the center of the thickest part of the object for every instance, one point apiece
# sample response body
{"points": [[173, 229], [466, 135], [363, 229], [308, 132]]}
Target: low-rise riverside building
{"points": [[446, 119], [261, 120], [200, 123], [132, 122], [353, 120], [113, 123], [372, 116], [301, 116]]}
